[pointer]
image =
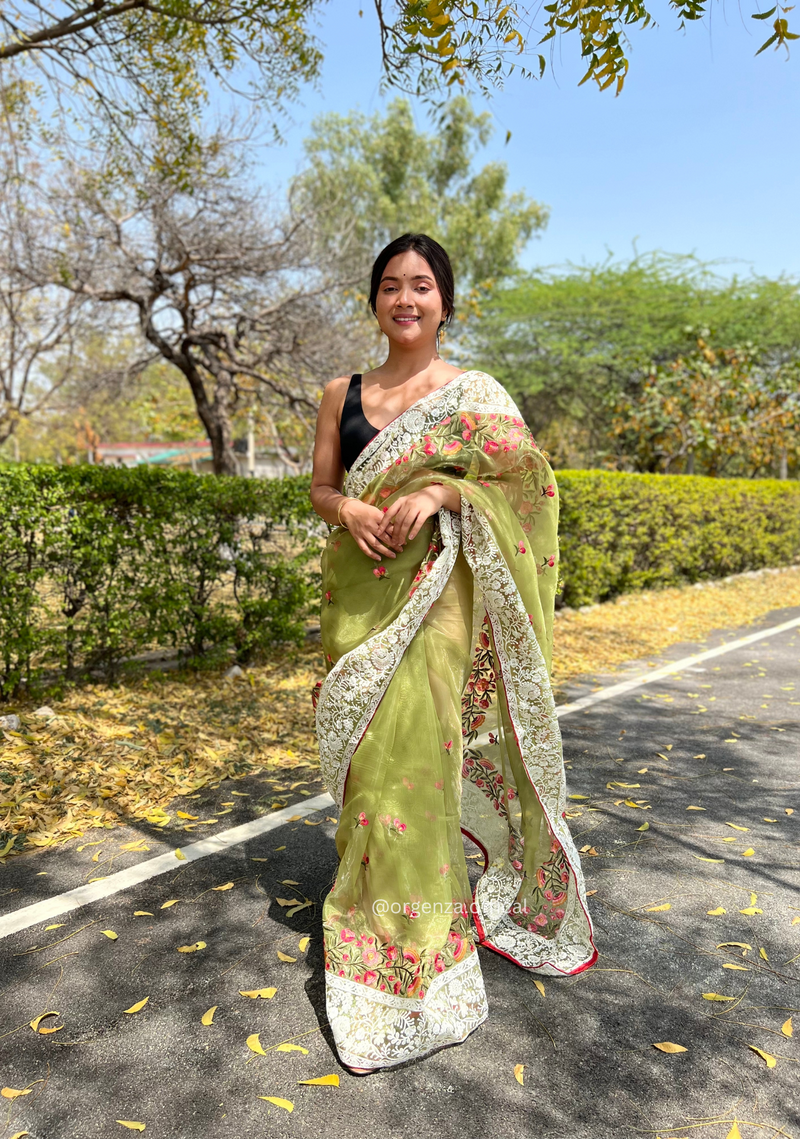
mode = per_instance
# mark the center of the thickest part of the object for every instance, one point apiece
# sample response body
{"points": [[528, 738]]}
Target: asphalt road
{"points": [[724, 738]]}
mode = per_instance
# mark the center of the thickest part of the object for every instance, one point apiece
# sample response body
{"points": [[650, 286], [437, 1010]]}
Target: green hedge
{"points": [[98, 564], [626, 532]]}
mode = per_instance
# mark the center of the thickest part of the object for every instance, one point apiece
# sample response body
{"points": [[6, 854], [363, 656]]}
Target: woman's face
{"points": [[409, 305]]}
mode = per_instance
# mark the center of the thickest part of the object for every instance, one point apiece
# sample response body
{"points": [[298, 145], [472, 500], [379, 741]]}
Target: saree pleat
{"points": [[437, 717]]}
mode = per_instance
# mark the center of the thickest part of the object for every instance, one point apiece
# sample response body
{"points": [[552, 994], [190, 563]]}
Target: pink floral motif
{"points": [[490, 447], [362, 820], [329, 597], [549, 490], [520, 548], [380, 571]]}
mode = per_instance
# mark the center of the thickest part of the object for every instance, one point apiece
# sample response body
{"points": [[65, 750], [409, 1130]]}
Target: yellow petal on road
{"points": [[748, 853], [644, 827], [328, 1081], [539, 985], [658, 909], [668, 1046], [577, 796], [12, 1093], [183, 815], [254, 1044], [208, 1016], [763, 954], [700, 858], [179, 854], [294, 818], [302, 944], [58, 925], [171, 902], [770, 1061], [734, 1132], [786, 1027], [286, 957], [255, 993], [728, 965], [766, 820], [695, 808], [519, 1073], [716, 913], [191, 948], [109, 933], [796, 920], [19, 1134], [36, 1022], [227, 886], [750, 911], [131, 1124], [717, 997], [789, 810], [286, 1104], [142, 914], [287, 1047], [702, 755], [736, 827], [138, 1006]]}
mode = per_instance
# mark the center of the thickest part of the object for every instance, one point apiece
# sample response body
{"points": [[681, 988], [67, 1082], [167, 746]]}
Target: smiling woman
{"points": [[437, 715]]}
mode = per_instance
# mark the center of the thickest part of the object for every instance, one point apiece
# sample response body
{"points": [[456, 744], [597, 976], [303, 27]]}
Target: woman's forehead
{"points": [[409, 264]]}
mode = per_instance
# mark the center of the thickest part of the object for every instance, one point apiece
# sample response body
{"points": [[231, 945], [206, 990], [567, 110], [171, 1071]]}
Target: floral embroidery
{"points": [[400, 970], [380, 571]]}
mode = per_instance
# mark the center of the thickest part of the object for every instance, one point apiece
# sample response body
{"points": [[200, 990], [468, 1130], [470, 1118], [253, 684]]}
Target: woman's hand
{"points": [[366, 524], [406, 516]]}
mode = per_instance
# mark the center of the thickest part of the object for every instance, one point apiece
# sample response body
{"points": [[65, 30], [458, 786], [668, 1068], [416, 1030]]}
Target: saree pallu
{"points": [[436, 718]]}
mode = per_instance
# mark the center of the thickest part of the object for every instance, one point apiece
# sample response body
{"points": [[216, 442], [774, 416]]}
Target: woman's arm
{"points": [[362, 520]]}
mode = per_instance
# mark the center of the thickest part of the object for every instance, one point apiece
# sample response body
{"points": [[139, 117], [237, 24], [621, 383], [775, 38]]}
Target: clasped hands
{"points": [[382, 533]]}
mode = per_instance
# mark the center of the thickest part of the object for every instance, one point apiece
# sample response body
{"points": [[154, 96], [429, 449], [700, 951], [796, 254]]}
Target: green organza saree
{"points": [[437, 718]]}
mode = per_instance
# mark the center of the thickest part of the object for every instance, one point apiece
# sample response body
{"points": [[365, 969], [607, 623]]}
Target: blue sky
{"points": [[699, 154]]}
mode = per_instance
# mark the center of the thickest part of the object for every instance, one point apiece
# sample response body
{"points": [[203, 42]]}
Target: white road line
{"points": [[123, 879], [667, 669]]}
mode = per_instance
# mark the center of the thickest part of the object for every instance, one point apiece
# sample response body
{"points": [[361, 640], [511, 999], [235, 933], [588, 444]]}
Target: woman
{"points": [[437, 715]]}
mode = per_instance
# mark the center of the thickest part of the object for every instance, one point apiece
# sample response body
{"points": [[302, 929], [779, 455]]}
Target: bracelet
{"points": [[339, 512]]}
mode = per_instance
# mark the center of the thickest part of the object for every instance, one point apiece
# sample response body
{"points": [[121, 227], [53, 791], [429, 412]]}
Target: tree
{"points": [[38, 321], [154, 61], [387, 177], [570, 343], [714, 411], [235, 298]]}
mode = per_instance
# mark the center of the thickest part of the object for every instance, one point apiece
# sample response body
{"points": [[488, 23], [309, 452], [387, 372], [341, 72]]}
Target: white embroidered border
{"points": [[532, 710], [355, 685], [471, 391], [375, 1029]]}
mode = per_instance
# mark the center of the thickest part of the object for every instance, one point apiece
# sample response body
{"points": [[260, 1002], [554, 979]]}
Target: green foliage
{"points": [[152, 66], [624, 532], [569, 345], [97, 564], [381, 176], [717, 411]]}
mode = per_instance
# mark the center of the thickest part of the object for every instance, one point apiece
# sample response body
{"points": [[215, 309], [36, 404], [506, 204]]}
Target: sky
{"points": [[698, 154]]}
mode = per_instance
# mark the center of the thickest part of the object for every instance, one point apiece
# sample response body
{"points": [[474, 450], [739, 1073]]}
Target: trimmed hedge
{"points": [[625, 532], [98, 564]]}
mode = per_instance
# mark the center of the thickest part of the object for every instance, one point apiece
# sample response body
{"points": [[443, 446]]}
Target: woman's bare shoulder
{"points": [[333, 396]]}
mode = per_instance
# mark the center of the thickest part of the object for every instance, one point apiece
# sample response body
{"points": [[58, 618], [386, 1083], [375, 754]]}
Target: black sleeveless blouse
{"points": [[355, 430]]}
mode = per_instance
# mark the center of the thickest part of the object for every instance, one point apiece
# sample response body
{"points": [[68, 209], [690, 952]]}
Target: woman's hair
{"points": [[432, 252]]}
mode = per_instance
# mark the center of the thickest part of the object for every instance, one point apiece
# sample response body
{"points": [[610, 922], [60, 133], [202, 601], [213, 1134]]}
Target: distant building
{"points": [[195, 455]]}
